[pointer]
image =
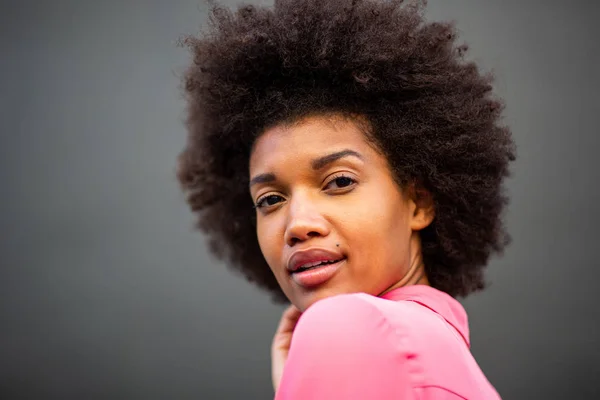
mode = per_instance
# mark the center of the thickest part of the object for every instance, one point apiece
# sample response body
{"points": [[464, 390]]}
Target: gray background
{"points": [[108, 293]]}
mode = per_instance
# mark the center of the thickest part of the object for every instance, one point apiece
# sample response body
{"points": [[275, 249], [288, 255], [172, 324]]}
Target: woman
{"points": [[345, 157]]}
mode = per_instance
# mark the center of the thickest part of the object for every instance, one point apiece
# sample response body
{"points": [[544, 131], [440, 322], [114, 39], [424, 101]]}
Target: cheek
{"points": [[377, 226]]}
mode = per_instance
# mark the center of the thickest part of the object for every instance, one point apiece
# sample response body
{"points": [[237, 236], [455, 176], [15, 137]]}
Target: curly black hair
{"points": [[429, 110]]}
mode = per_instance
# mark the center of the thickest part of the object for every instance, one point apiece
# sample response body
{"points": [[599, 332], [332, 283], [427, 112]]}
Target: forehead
{"points": [[308, 138]]}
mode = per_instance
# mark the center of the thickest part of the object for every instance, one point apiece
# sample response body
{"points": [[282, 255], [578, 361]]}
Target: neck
{"points": [[415, 274]]}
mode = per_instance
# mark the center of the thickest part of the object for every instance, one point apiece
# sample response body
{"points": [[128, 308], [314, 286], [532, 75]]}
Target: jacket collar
{"points": [[437, 301]]}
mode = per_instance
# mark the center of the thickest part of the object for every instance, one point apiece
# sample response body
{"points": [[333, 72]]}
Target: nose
{"points": [[304, 221]]}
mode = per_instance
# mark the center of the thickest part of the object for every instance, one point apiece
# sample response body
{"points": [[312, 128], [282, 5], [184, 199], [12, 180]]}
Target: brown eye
{"points": [[267, 201], [340, 182], [343, 181]]}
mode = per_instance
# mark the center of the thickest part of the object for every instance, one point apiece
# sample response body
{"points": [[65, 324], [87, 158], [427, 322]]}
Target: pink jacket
{"points": [[411, 343]]}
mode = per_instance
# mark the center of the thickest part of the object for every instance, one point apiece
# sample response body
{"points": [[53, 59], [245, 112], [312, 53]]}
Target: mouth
{"points": [[312, 267]]}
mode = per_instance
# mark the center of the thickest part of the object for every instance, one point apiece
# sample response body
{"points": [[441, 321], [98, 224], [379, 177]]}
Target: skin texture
{"points": [[352, 206]]}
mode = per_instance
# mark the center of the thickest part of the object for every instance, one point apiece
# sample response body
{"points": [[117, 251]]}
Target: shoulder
{"points": [[363, 313], [365, 323], [339, 312], [343, 347], [349, 321], [361, 346], [344, 307], [346, 346]]}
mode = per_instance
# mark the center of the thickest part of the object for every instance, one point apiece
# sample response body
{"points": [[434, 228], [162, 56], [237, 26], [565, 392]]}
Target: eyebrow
{"points": [[324, 161], [316, 164], [262, 178]]}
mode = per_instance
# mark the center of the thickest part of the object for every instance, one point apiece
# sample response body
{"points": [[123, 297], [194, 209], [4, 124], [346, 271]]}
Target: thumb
{"points": [[286, 327], [281, 343]]}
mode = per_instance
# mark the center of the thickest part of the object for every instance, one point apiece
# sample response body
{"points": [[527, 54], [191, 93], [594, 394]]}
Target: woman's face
{"points": [[330, 217]]}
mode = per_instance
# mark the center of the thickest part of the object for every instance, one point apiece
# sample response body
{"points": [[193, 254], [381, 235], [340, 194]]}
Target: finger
{"points": [[289, 319]]}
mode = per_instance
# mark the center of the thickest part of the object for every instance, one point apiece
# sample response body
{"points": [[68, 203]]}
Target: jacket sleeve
{"points": [[344, 348]]}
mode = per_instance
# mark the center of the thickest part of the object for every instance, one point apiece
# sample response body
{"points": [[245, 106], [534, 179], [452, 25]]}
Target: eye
{"points": [[340, 182], [267, 201]]}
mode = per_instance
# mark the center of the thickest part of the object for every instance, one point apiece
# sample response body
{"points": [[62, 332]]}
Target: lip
{"points": [[312, 278], [316, 276], [303, 257]]}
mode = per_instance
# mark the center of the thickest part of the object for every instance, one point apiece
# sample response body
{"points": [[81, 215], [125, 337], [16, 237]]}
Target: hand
{"points": [[281, 343]]}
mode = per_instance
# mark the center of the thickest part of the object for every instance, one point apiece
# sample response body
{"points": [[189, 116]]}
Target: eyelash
{"points": [[261, 200]]}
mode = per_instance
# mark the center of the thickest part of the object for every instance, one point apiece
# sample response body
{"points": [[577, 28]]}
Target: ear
{"points": [[422, 208]]}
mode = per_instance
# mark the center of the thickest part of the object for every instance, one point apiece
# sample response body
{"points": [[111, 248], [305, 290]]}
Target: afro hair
{"points": [[429, 110]]}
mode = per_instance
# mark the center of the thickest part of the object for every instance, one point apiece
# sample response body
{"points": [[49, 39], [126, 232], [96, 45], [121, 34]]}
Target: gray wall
{"points": [[106, 291]]}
